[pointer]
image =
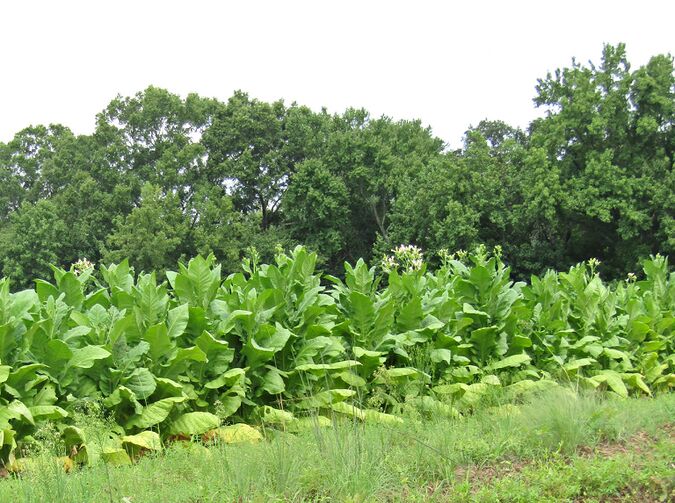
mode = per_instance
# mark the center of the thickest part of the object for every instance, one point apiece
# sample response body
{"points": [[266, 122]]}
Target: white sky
{"points": [[450, 64]]}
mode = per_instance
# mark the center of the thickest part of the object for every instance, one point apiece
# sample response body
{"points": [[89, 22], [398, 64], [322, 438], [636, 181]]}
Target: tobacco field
{"points": [[202, 355]]}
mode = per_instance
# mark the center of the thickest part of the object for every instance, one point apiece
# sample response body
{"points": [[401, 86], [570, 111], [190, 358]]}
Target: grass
{"points": [[560, 446]]}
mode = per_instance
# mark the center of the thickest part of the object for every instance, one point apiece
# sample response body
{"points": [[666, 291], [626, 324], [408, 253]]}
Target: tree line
{"points": [[164, 178]]}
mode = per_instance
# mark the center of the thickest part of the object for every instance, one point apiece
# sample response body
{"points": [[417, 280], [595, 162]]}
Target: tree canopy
{"points": [[163, 178]]}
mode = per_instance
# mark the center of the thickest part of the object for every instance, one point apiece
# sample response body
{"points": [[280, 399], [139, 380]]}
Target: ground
{"points": [[555, 447]]}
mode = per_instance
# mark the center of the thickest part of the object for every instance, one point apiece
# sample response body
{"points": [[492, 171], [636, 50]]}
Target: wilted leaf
{"points": [[144, 440]]}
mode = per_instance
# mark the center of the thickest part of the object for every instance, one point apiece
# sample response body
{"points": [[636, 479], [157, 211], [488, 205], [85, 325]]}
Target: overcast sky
{"points": [[449, 64]]}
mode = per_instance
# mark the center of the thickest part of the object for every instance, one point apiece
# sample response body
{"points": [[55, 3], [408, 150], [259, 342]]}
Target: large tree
{"points": [[152, 235], [360, 172], [608, 136], [593, 177], [24, 161], [33, 239], [254, 147], [467, 197], [154, 137]]}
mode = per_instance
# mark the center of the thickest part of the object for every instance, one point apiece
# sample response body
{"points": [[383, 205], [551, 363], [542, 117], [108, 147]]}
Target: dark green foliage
{"points": [[593, 178], [32, 240], [152, 234]]}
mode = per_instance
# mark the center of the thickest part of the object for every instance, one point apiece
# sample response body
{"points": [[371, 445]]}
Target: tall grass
{"points": [[352, 461]]}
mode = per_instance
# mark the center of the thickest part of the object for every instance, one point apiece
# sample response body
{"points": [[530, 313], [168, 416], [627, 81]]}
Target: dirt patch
{"points": [[654, 491], [478, 475], [640, 443]]}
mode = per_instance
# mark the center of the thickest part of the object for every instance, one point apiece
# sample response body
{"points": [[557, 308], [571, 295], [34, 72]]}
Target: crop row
{"points": [[280, 344]]}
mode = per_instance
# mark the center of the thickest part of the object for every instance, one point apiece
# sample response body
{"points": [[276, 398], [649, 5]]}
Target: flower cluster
{"points": [[81, 265], [407, 257], [593, 263]]}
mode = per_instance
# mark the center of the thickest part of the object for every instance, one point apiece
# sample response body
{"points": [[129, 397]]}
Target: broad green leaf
{"points": [[456, 389], [636, 381], [19, 410], [194, 423], [520, 341], [229, 404], [485, 340], [441, 355], [273, 382], [491, 379], [177, 321], [4, 372], [161, 344], [510, 361], [470, 310], [351, 379], [154, 413], [70, 285], [363, 314], [578, 363], [638, 331], [167, 388], [57, 351], [141, 382], [326, 398], [585, 340], [73, 436], [86, 357], [42, 412], [399, 372], [228, 378], [613, 380], [349, 410], [614, 353], [268, 341], [45, 290], [193, 353], [410, 315], [309, 367]]}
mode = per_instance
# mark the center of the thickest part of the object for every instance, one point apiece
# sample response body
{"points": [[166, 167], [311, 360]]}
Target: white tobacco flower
{"points": [[81, 265]]}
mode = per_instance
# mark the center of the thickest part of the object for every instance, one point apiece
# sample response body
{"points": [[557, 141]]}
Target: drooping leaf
{"points": [[194, 423], [148, 440], [154, 413]]}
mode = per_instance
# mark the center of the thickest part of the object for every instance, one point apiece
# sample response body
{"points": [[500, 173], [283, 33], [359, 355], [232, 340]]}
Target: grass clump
{"points": [[553, 446]]}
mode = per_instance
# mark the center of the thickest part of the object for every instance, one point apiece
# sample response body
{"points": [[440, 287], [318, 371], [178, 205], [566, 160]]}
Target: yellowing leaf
{"points": [[374, 416], [145, 440], [237, 433], [115, 457]]}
